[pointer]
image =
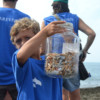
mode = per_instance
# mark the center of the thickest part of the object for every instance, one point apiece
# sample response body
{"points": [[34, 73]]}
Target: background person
{"points": [[60, 7], [8, 14]]}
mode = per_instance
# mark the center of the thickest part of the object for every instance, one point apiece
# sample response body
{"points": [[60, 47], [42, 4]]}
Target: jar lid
{"points": [[67, 25]]}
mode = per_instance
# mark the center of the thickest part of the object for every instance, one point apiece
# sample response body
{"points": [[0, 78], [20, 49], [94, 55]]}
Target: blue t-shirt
{"points": [[68, 17], [7, 18], [32, 82]]}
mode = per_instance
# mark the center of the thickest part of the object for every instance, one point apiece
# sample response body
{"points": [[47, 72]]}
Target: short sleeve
{"points": [[19, 72]]}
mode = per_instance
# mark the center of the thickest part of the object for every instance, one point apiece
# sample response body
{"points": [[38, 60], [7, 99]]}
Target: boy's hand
{"points": [[54, 28]]}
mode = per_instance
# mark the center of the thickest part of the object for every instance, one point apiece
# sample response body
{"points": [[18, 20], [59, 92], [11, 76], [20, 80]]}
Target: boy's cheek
{"points": [[17, 46]]}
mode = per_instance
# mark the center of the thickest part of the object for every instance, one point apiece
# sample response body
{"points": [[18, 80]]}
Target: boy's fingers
{"points": [[58, 22]]}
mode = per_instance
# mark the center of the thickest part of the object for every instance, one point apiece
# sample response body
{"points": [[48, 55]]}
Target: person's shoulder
{"points": [[1, 8], [21, 13], [72, 14], [67, 15], [49, 18], [14, 57]]}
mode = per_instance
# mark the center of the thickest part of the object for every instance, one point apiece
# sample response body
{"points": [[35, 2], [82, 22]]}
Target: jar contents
{"points": [[62, 54], [62, 65]]}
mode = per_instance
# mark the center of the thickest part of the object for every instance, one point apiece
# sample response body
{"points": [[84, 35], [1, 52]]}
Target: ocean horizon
{"points": [[94, 81]]}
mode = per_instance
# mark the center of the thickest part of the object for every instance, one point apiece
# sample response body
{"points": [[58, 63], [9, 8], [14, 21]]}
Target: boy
{"points": [[31, 81]]}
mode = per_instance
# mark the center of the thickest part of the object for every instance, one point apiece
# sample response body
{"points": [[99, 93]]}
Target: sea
{"points": [[94, 81]]}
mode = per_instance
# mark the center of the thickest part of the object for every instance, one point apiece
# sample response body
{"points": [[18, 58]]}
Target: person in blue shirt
{"points": [[8, 14], [28, 66], [60, 8]]}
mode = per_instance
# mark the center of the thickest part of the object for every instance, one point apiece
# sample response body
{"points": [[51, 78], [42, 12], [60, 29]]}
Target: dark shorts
{"points": [[11, 90]]}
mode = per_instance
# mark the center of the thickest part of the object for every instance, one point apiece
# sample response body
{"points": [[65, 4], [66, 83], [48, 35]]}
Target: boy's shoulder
{"points": [[43, 57], [15, 53]]}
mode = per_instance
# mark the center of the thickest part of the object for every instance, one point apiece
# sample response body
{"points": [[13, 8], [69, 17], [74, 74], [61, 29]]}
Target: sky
{"points": [[87, 10]]}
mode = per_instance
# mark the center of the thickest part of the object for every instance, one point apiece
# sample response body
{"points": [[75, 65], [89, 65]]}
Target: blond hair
{"points": [[22, 25]]}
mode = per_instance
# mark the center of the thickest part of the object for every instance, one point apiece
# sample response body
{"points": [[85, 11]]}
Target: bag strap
{"points": [[57, 17]]}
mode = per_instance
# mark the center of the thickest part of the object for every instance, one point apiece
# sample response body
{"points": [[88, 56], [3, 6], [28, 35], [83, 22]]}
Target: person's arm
{"points": [[29, 48], [89, 32]]}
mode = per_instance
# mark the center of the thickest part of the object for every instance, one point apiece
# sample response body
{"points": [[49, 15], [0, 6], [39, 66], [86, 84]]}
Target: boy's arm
{"points": [[89, 32], [30, 47]]}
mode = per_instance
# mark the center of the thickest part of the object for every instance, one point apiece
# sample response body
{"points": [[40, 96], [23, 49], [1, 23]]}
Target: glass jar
{"points": [[62, 53]]}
